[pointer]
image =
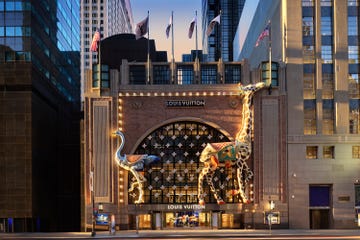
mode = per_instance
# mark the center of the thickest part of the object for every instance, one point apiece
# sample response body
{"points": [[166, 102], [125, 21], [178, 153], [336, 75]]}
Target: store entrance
{"points": [[319, 218], [189, 219]]}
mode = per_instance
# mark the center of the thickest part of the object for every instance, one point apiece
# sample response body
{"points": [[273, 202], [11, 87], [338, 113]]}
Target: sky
{"points": [[160, 13]]}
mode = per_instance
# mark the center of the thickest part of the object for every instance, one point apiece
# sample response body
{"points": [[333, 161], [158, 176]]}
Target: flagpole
{"points": [[220, 38], [172, 36], [99, 60], [172, 48], [270, 67], [196, 36], [148, 50]]}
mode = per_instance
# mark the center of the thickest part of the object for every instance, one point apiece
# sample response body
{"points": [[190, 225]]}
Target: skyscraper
{"points": [[39, 115], [318, 102], [111, 17], [219, 42]]}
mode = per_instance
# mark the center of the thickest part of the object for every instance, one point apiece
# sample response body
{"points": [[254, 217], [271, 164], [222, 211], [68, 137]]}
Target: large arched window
{"points": [[175, 178]]}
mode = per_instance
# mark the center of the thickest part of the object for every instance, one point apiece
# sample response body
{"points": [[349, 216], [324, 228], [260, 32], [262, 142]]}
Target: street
{"points": [[196, 234]]}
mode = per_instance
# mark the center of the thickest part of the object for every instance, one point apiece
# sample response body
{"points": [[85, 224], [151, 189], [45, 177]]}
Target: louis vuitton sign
{"points": [[185, 103]]}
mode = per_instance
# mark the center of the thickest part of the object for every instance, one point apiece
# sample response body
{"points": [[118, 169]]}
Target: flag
{"points": [[168, 27], [212, 24], [95, 40], [191, 28], [142, 28], [263, 34]]}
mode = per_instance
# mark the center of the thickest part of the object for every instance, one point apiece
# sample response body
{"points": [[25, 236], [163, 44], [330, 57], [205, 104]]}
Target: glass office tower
{"points": [[111, 17], [220, 41], [39, 115]]}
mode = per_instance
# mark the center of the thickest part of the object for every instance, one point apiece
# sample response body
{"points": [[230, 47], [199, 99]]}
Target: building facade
{"points": [[174, 118], [317, 41], [39, 116], [111, 17], [219, 43]]}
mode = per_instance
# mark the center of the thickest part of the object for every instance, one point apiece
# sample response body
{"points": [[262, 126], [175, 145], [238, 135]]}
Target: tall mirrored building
{"points": [[219, 42], [111, 17], [39, 115]]}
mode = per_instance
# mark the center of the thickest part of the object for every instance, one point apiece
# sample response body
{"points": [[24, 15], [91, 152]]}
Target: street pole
{"points": [[137, 218], [269, 220], [93, 232]]}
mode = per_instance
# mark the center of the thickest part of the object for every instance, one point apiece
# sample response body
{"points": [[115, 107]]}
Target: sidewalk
{"points": [[179, 234]]}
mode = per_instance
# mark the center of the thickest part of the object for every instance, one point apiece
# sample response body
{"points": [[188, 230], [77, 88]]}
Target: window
{"points": [[354, 116], [307, 3], [232, 73], [326, 53], [353, 3], [185, 74], [310, 117], [23, 56], [326, 26], [328, 116], [353, 53], [265, 73], [208, 74], [357, 195], [308, 26], [309, 81], [9, 56], [352, 25], [161, 74], [309, 54], [353, 66], [137, 74], [319, 195], [311, 152], [327, 3], [328, 85], [329, 152], [309, 86], [356, 153]]}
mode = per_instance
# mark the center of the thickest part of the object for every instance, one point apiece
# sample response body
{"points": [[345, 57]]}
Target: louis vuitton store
{"points": [[183, 216], [176, 122], [171, 187], [174, 125]]}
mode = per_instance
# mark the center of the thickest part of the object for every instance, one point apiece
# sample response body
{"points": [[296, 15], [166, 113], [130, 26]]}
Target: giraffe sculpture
{"points": [[134, 164], [227, 154]]}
